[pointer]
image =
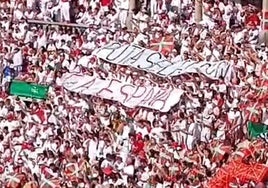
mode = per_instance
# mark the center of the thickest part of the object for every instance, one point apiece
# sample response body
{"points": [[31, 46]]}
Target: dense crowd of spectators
{"points": [[85, 141]]}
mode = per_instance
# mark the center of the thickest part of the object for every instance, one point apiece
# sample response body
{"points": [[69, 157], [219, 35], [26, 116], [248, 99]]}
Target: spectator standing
{"points": [[65, 10]]}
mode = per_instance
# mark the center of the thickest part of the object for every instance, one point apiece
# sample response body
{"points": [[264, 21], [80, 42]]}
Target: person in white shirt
{"points": [[18, 13], [65, 10], [234, 116], [265, 114], [253, 36], [141, 38], [128, 170], [17, 60], [239, 35], [41, 76], [18, 34], [3, 110], [124, 7], [153, 7], [42, 39], [83, 17], [228, 14], [88, 44], [192, 133], [241, 17]]}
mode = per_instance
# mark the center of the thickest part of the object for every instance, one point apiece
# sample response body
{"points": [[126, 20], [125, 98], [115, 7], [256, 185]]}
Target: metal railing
{"points": [[41, 22]]}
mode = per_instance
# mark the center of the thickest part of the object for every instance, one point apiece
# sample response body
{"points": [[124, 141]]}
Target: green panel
{"points": [[24, 89], [255, 129]]}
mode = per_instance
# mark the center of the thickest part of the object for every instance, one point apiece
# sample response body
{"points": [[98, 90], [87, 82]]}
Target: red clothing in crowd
{"points": [[40, 113], [220, 101], [1, 48], [106, 2], [44, 57], [44, 170], [253, 20], [75, 53], [138, 144], [25, 50], [27, 146]]}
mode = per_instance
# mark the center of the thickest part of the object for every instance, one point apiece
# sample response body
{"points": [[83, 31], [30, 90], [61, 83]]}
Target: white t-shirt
{"points": [[233, 114], [141, 37], [143, 131], [18, 14], [221, 6], [3, 112], [17, 58], [238, 37], [208, 94], [129, 170], [42, 41]]}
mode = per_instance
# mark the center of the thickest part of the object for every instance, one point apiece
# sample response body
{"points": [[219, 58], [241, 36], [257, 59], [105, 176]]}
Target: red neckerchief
{"points": [[44, 58], [228, 122]]}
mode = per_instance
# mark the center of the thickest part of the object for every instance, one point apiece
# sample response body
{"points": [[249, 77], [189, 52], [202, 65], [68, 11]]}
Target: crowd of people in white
{"points": [[86, 141]]}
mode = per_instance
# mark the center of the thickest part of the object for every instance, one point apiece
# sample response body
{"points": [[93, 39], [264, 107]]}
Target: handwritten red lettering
{"points": [[86, 85], [126, 91], [161, 96], [108, 90], [139, 92], [147, 97]]}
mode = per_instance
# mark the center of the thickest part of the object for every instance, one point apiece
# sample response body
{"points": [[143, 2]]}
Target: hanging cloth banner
{"points": [[154, 62], [128, 94]]}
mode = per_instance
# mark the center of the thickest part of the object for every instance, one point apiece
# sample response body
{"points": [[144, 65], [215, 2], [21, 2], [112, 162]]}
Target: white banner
{"points": [[125, 93], [155, 62]]}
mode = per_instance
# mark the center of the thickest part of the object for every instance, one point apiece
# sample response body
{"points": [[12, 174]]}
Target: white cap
{"points": [[144, 176]]}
